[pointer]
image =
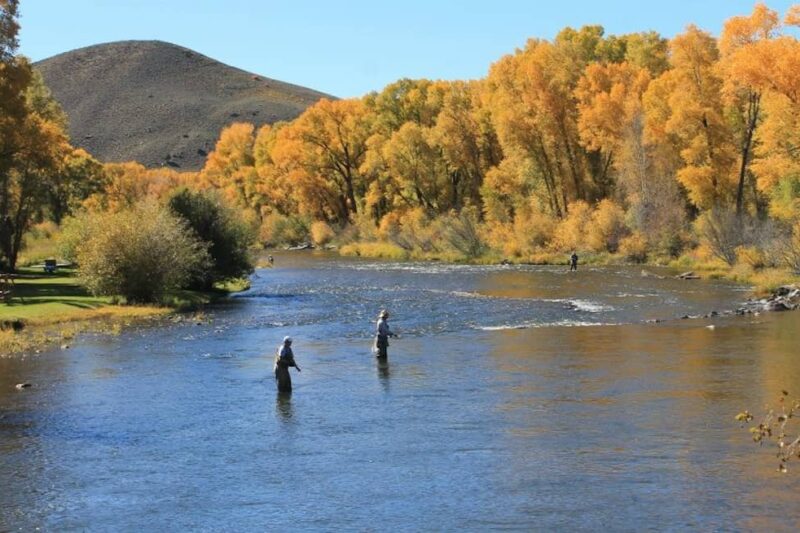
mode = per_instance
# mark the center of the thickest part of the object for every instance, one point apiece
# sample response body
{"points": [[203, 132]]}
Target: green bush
{"points": [[140, 253], [278, 229], [74, 231], [226, 234]]}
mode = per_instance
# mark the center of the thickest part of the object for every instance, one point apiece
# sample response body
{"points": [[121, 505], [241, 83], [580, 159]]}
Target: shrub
{"points": [[462, 234], [607, 227], [634, 247], [533, 230], [390, 226], [225, 233], [412, 231], [504, 239], [570, 234], [74, 231], [792, 250], [139, 253], [278, 229], [321, 233], [750, 256], [383, 250], [722, 232]]}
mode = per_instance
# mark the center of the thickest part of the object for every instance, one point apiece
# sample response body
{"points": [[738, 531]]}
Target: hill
{"points": [[159, 103]]}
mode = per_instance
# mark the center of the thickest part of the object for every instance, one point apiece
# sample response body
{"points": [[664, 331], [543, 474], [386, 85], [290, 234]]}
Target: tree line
{"points": [[632, 144], [672, 140]]}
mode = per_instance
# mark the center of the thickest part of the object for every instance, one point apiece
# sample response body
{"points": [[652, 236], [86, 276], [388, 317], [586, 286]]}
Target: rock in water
{"points": [[777, 305]]}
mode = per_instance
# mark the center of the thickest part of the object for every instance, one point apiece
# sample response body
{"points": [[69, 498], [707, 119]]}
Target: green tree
{"points": [[227, 236]]}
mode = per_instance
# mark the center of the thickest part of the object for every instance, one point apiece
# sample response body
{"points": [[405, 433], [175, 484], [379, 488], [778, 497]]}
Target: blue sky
{"points": [[348, 48]]}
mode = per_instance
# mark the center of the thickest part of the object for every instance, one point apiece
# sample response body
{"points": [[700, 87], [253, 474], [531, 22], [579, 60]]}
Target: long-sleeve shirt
{"points": [[383, 329], [285, 356]]}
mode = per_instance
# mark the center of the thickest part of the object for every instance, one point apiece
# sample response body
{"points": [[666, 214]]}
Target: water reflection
{"points": [[283, 406], [384, 373]]}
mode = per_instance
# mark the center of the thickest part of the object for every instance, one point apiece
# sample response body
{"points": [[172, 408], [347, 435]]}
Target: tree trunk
{"points": [[747, 143]]}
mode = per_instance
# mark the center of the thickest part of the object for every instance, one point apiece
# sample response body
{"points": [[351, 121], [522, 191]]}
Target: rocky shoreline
{"points": [[785, 298]]}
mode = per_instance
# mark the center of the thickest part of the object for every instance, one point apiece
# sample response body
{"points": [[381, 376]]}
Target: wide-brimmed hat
{"points": [[384, 314], [287, 340]]}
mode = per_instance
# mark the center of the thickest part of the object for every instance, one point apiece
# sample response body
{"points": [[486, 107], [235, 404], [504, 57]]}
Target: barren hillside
{"points": [[161, 104]]}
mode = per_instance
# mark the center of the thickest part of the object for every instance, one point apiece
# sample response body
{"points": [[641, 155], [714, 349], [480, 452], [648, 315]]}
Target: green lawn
{"points": [[44, 296], [60, 297]]}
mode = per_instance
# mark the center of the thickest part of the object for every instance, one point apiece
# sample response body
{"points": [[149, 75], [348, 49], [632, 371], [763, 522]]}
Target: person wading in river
{"points": [[283, 360], [573, 262], [382, 335]]}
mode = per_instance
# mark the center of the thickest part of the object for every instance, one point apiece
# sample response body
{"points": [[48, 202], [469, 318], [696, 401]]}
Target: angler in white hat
{"points": [[283, 360], [382, 335]]}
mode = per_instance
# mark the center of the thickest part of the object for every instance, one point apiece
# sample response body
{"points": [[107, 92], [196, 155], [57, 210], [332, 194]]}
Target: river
{"points": [[517, 397]]}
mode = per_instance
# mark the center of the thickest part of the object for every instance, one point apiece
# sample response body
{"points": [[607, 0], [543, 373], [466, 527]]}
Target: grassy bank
{"points": [[51, 309], [763, 280]]}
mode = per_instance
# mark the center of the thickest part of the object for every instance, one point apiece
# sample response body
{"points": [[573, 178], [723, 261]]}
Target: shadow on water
{"points": [[283, 406]]}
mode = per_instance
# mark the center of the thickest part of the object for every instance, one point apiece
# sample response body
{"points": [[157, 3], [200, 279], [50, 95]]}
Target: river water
{"points": [[515, 398]]}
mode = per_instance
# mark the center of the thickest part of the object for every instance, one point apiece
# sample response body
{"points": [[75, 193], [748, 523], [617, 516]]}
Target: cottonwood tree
{"points": [[684, 109]]}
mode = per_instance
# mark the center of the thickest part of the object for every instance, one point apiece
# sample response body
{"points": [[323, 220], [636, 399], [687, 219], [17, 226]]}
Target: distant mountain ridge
{"points": [[161, 104]]}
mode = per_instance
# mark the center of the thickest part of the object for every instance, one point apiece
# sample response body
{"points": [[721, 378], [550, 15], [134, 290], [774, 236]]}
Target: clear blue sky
{"points": [[348, 48]]}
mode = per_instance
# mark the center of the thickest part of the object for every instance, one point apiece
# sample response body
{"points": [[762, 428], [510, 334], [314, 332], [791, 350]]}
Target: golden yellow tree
{"points": [[230, 167], [467, 143], [739, 44], [323, 151], [684, 108], [610, 107], [765, 60]]}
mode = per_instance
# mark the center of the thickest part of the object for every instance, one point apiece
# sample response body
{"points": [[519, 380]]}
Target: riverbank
{"points": [[45, 310], [764, 280]]}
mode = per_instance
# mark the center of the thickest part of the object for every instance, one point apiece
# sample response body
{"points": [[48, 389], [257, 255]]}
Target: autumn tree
{"points": [[610, 108], [323, 150], [32, 140], [684, 109], [406, 100], [127, 184], [274, 186], [230, 168], [769, 63], [522, 129], [78, 177], [742, 91], [467, 143]]}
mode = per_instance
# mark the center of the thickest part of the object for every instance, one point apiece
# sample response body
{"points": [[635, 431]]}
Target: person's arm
{"points": [[292, 362]]}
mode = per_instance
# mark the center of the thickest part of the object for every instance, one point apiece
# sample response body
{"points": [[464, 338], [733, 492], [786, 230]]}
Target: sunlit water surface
{"points": [[516, 398]]}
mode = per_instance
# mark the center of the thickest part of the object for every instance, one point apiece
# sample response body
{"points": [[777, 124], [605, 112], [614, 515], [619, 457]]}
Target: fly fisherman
{"points": [[283, 360], [382, 335], [573, 262]]}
